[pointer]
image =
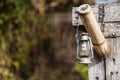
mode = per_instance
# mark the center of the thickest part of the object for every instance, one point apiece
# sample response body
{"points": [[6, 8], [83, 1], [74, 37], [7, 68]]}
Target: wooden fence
{"points": [[108, 67]]}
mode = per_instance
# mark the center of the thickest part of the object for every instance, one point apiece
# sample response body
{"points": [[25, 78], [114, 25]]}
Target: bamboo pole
{"points": [[93, 29]]}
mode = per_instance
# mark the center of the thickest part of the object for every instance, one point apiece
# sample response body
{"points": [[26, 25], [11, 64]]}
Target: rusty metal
{"points": [[101, 16], [111, 34]]}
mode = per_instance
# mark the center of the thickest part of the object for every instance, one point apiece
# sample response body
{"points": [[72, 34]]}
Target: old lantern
{"points": [[84, 48]]}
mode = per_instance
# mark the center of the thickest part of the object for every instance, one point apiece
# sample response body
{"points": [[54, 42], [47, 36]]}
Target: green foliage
{"points": [[22, 29], [82, 69], [5, 65], [15, 37], [50, 77]]}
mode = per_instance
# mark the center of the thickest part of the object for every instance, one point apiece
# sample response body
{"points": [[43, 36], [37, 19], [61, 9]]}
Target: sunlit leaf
{"points": [[82, 69]]}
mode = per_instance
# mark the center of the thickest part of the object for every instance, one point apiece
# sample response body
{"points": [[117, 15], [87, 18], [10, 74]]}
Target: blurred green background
{"points": [[37, 40]]}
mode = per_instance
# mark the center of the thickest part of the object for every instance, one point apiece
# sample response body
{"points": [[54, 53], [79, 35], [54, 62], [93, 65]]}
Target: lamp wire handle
{"points": [[77, 41], [77, 32], [91, 47]]}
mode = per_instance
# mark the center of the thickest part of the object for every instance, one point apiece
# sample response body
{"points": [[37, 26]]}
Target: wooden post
{"points": [[107, 68]]}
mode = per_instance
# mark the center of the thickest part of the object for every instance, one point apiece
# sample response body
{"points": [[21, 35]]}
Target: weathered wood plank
{"points": [[112, 12], [105, 1], [96, 69], [111, 60], [118, 60], [76, 21]]}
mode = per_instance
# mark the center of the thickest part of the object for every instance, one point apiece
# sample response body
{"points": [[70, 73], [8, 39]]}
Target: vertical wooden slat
{"points": [[118, 60], [111, 60], [112, 12], [96, 69]]}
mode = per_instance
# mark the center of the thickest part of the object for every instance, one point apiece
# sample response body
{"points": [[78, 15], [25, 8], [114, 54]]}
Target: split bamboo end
{"points": [[84, 9]]}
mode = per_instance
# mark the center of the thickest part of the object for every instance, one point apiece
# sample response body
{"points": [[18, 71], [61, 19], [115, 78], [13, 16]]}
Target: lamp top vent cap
{"points": [[84, 36]]}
